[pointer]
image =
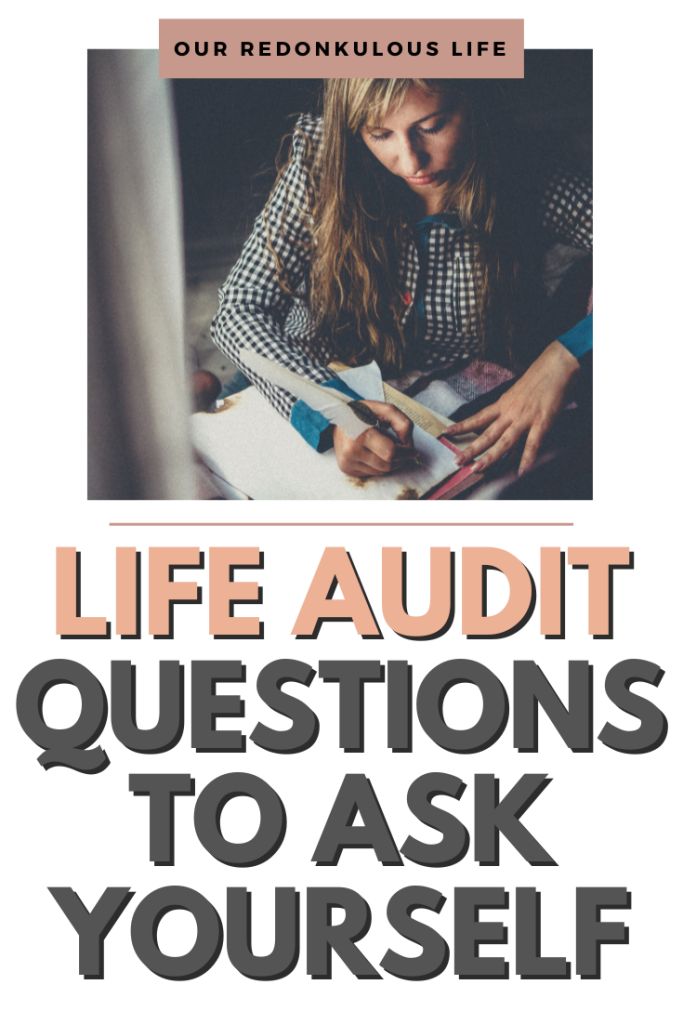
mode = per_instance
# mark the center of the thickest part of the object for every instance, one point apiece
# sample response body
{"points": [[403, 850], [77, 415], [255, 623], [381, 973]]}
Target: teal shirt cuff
{"points": [[579, 339], [315, 428]]}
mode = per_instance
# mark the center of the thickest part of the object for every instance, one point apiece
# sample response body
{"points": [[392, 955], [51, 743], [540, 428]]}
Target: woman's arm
{"points": [[254, 307], [529, 408], [253, 303]]}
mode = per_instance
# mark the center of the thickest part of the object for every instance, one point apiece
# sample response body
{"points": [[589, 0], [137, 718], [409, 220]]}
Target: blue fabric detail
{"points": [[237, 382], [451, 220], [579, 339], [315, 429]]}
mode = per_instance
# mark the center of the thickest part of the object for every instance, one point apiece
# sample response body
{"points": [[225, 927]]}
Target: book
{"points": [[251, 450]]}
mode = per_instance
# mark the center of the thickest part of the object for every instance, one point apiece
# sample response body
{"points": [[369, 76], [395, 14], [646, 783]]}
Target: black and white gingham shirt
{"points": [[255, 312]]}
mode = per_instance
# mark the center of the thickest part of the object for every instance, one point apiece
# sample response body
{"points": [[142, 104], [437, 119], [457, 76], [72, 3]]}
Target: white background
{"points": [[608, 819]]}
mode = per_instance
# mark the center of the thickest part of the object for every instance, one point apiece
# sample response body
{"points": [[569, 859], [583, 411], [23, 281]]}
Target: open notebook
{"points": [[253, 452]]}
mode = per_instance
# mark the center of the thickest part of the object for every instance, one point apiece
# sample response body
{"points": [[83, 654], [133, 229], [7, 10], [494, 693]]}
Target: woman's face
{"points": [[420, 141]]}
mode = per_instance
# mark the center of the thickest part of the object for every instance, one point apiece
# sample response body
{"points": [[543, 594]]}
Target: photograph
{"points": [[347, 288]]}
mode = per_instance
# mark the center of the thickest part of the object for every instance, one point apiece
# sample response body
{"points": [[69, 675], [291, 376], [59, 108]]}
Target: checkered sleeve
{"points": [[253, 306], [567, 209]]}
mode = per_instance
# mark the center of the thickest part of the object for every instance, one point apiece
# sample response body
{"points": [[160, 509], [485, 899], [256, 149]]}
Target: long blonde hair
{"points": [[360, 212]]}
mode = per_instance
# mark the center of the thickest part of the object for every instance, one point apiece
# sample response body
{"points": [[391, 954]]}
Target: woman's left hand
{"points": [[526, 411]]}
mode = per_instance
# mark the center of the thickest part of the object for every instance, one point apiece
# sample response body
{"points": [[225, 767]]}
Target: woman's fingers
{"points": [[373, 453], [384, 453], [378, 445], [532, 448], [478, 421], [505, 442], [485, 440], [499, 439], [376, 452], [366, 464], [361, 470], [394, 418]]}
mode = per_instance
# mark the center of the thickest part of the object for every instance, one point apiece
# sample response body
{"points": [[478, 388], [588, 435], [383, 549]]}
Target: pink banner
{"points": [[305, 48]]}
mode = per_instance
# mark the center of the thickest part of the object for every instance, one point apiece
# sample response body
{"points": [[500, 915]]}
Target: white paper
{"points": [[251, 447]]}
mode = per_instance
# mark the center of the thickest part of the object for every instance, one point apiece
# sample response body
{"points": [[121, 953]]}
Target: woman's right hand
{"points": [[374, 453]]}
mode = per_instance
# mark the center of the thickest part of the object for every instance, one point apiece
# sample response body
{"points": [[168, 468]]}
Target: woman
{"points": [[394, 234]]}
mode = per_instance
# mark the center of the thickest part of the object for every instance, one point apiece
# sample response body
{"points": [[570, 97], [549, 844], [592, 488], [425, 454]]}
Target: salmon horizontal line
{"points": [[325, 523]]}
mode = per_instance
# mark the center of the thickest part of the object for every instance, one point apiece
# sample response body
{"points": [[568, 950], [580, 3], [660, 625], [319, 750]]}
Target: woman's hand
{"points": [[374, 453], [527, 410]]}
